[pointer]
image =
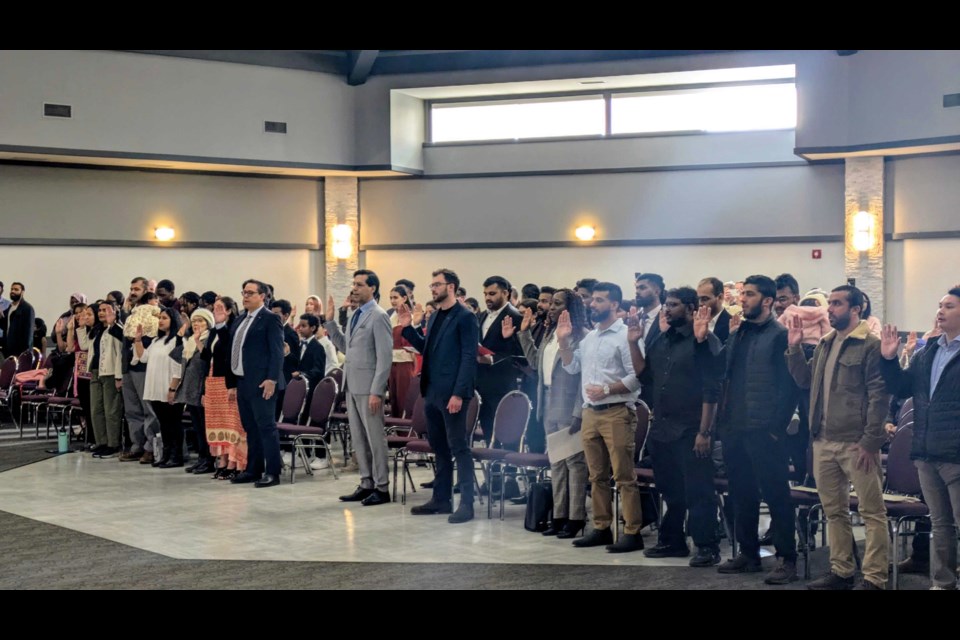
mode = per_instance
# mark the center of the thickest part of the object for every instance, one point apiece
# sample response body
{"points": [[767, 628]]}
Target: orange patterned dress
{"points": [[225, 433]]}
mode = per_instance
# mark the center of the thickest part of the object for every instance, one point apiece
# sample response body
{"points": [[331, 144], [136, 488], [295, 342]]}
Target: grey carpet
{"points": [[16, 453], [37, 555]]}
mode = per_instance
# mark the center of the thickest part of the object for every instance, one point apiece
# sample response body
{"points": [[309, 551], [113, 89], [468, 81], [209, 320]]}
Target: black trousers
{"points": [[257, 417], [171, 428], [756, 463], [447, 434], [198, 418], [686, 484]]}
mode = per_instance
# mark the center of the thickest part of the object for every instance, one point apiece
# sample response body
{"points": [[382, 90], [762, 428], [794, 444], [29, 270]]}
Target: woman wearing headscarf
{"points": [[190, 390]]}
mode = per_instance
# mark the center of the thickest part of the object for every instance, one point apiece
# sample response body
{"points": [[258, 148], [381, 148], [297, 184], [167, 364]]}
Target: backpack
{"points": [[539, 506]]}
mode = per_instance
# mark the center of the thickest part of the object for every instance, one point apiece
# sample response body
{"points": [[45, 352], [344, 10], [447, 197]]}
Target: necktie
{"points": [[238, 343], [354, 320]]}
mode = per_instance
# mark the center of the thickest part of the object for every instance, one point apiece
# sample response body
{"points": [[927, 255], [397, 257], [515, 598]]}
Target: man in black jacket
{"points": [[446, 382], [933, 380], [684, 395], [291, 348], [710, 295], [17, 322], [756, 406]]}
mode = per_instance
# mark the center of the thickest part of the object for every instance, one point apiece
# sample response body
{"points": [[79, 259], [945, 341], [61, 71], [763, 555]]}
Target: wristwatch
{"points": [[606, 389]]}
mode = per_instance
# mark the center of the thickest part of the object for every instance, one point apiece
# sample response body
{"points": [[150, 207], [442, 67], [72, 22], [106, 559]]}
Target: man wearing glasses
{"points": [[256, 359], [446, 381]]}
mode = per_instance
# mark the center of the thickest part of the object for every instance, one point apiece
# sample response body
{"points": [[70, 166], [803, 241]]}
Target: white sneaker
{"points": [[320, 463]]}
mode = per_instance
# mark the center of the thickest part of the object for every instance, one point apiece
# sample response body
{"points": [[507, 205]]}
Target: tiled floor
{"points": [[193, 517]]}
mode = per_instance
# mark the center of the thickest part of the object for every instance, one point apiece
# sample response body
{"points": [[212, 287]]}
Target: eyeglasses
{"points": [[247, 294], [438, 285]]}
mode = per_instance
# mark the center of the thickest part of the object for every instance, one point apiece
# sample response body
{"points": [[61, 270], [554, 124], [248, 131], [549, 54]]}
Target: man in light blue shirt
{"points": [[610, 389]]}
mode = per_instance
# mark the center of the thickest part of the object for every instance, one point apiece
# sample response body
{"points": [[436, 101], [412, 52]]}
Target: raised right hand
{"points": [[701, 323], [404, 316], [735, 322], [528, 320], [795, 332], [219, 315], [634, 326], [507, 328], [911, 342], [564, 327], [330, 304], [418, 314], [889, 341]]}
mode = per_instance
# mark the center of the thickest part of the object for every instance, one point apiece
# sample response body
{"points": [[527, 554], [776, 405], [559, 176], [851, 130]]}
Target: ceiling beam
{"points": [[359, 64]]}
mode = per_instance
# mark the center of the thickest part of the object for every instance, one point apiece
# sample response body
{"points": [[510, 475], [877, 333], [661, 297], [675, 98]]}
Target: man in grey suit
{"points": [[368, 346]]}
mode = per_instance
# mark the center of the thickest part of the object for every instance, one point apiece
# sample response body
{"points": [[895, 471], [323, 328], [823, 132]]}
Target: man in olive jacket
{"points": [[848, 403]]}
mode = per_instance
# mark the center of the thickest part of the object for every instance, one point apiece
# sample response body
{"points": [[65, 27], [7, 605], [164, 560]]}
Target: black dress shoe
{"points": [[357, 496], [464, 513], [267, 480], [171, 463], [666, 551], [376, 497], [426, 485], [204, 466], [244, 477], [706, 557], [431, 508], [627, 542], [596, 538]]}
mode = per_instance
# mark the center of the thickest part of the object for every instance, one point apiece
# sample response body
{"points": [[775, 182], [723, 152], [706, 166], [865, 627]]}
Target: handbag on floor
{"points": [[539, 506]]}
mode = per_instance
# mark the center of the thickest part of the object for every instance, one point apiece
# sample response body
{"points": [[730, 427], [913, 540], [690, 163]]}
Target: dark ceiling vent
{"points": [[951, 100], [51, 110], [274, 127]]}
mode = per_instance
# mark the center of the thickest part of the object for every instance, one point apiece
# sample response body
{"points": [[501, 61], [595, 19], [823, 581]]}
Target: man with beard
{"points": [[609, 387], [542, 325], [757, 404], [449, 351], [684, 395], [848, 403], [650, 290], [584, 289], [788, 293], [17, 322], [142, 422], [710, 295]]}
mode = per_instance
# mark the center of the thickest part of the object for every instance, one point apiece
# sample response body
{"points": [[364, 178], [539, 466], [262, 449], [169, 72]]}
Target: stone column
{"points": [[863, 232], [341, 207]]}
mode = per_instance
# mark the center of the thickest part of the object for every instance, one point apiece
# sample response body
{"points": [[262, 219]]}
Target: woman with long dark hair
{"points": [[103, 342], [404, 361], [559, 405], [160, 385], [225, 435]]}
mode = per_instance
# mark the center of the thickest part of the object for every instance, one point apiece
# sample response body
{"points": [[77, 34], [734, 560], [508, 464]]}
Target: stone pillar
{"points": [[341, 207], [863, 233]]}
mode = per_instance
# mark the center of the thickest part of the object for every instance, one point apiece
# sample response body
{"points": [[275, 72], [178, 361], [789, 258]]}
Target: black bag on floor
{"points": [[539, 506]]}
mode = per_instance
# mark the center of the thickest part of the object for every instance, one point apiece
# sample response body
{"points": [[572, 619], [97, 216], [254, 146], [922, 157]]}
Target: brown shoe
{"points": [[147, 457], [129, 456]]}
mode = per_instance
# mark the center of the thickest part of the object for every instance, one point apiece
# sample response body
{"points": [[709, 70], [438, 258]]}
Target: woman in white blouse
{"points": [[160, 385]]}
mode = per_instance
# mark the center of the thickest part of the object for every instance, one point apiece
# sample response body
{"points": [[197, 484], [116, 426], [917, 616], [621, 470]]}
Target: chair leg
{"points": [[616, 512], [895, 550], [293, 459]]}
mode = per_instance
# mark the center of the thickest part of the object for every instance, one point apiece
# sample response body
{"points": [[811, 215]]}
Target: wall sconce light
{"points": [[164, 234], [585, 233], [342, 243], [863, 236]]}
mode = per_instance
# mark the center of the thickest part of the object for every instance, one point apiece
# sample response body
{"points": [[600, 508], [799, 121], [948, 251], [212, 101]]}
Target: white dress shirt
{"points": [[603, 357]]}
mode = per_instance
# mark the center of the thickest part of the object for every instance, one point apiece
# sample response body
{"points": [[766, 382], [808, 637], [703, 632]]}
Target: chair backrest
{"points": [[510, 421], [413, 394], [323, 402], [905, 416], [27, 360], [643, 427], [7, 371], [902, 475], [293, 400], [337, 374], [473, 416], [418, 417]]}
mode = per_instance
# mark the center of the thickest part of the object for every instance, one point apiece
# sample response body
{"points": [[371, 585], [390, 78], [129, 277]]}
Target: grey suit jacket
{"points": [[565, 393], [369, 351]]}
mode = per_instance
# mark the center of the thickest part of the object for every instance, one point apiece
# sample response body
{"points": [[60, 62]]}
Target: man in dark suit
{"points": [[496, 374], [256, 359], [312, 359], [291, 349], [650, 296], [17, 322], [710, 295], [446, 382]]}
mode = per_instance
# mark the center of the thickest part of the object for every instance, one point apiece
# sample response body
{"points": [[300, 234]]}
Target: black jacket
{"points": [[498, 379], [217, 351], [936, 420], [18, 329], [769, 392], [449, 355], [313, 363], [291, 361]]}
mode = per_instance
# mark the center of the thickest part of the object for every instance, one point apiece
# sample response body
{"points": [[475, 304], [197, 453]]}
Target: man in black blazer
{"points": [[446, 382], [17, 323], [496, 374], [311, 358], [710, 295], [256, 359], [291, 349]]}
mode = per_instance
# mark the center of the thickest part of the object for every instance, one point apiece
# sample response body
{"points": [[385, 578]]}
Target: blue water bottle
{"points": [[63, 440]]}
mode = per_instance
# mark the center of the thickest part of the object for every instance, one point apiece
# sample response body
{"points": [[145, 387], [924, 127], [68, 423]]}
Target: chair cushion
{"points": [[397, 422], [398, 442], [644, 475], [298, 429], [537, 460], [490, 454], [419, 446], [906, 509]]}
